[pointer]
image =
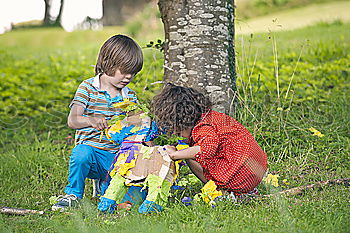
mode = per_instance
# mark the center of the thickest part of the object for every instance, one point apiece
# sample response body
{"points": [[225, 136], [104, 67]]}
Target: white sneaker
{"points": [[64, 202]]}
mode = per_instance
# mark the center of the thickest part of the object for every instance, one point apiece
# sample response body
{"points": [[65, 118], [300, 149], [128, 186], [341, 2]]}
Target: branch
{"points": [[301, 189], [15, 211]]}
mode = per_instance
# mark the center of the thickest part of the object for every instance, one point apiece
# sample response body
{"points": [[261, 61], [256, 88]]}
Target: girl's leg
{"points": [[197, 169]]}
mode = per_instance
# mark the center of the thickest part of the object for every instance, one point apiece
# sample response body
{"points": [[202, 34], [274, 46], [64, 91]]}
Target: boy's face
{"points": [[120, 80]]}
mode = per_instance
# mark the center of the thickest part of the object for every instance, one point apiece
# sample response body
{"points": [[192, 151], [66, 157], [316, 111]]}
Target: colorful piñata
{"points": [[138, 163]]}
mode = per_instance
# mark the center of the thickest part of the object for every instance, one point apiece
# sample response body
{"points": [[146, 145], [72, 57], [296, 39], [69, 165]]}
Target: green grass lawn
{"points": [[311, 67], [289, 19]]}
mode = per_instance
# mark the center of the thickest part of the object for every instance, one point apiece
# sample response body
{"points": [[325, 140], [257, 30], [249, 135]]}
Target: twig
{"points": [[16, 211], [301, 189]]}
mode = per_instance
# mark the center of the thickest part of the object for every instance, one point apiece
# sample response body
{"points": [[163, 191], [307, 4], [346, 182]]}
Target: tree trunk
{"points": [[47, 19], [59, 16], [199, 47], [112, 12], [116, 12]]}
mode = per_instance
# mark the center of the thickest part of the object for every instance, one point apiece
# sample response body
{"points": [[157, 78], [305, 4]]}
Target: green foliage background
{"points": [[254, 8]]}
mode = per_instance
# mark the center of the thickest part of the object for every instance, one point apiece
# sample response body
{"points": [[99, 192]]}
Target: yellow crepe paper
{"points": [[126, 103], [121, 167], [177, 166], [181, 147], [116, 127], [177, 169]]}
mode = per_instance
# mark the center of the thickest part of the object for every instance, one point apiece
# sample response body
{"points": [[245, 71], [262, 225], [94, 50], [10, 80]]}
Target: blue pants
{"points": [[87, 162]]}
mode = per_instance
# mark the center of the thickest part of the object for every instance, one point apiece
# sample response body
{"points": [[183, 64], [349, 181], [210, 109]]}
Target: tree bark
{"points": [[47, 19], [199, 47], [112, 12], [116, 12], [59, 16]]}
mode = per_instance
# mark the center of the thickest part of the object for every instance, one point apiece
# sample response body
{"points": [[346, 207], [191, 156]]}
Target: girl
{"points": [[221, 149]]}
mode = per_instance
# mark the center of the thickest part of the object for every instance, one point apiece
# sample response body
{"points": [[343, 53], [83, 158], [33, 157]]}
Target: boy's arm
{"points": [[187, 153], [76, 120]]}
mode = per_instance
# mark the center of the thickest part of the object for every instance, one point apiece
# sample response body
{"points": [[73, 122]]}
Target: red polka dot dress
{"points": [[229, 154]]}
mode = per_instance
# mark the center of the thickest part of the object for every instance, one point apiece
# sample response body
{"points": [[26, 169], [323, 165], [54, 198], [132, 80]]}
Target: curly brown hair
{"points": [[178, 108]]}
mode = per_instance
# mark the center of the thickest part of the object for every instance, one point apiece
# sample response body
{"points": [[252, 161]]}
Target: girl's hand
{"points": [[187, 153], [171, 150]]}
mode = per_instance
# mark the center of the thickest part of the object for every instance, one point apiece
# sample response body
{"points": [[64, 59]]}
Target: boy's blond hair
{"points": [[119, 52]]}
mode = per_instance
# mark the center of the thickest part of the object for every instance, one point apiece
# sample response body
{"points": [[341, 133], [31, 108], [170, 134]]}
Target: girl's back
{"points": [[229, 154]]}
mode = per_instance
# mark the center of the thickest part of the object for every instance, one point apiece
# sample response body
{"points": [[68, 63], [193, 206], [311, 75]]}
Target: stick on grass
{"points": [[301, 189], [16, 211]]}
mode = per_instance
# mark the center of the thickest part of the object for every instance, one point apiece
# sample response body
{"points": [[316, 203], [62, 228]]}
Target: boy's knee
{"points": [[82, 154]]}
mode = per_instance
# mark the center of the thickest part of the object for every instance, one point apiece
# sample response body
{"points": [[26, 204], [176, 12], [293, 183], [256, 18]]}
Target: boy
{"points": [[119, 59]]}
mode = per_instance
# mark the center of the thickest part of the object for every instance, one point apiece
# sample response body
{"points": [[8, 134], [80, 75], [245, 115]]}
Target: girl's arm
{"points": [[187, 153], [197, 169]]}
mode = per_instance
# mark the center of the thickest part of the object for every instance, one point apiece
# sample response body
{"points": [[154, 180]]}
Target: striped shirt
{"points": [[98, 103]]}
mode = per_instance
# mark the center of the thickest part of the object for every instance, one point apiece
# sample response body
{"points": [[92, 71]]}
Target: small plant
{"points": [[158, 45], [165, 139]]}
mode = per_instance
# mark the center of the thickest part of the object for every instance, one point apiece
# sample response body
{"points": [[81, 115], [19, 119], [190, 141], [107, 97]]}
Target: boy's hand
{"points": [[98, 123]]}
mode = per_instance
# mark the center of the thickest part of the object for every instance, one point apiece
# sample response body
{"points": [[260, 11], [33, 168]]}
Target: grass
{"points": [[275, 215], [256, 8], [289, 19], [34, 154]]}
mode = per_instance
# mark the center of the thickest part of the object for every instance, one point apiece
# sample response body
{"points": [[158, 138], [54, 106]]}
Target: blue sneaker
{"points": [[65, 202], [149, 207]]}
